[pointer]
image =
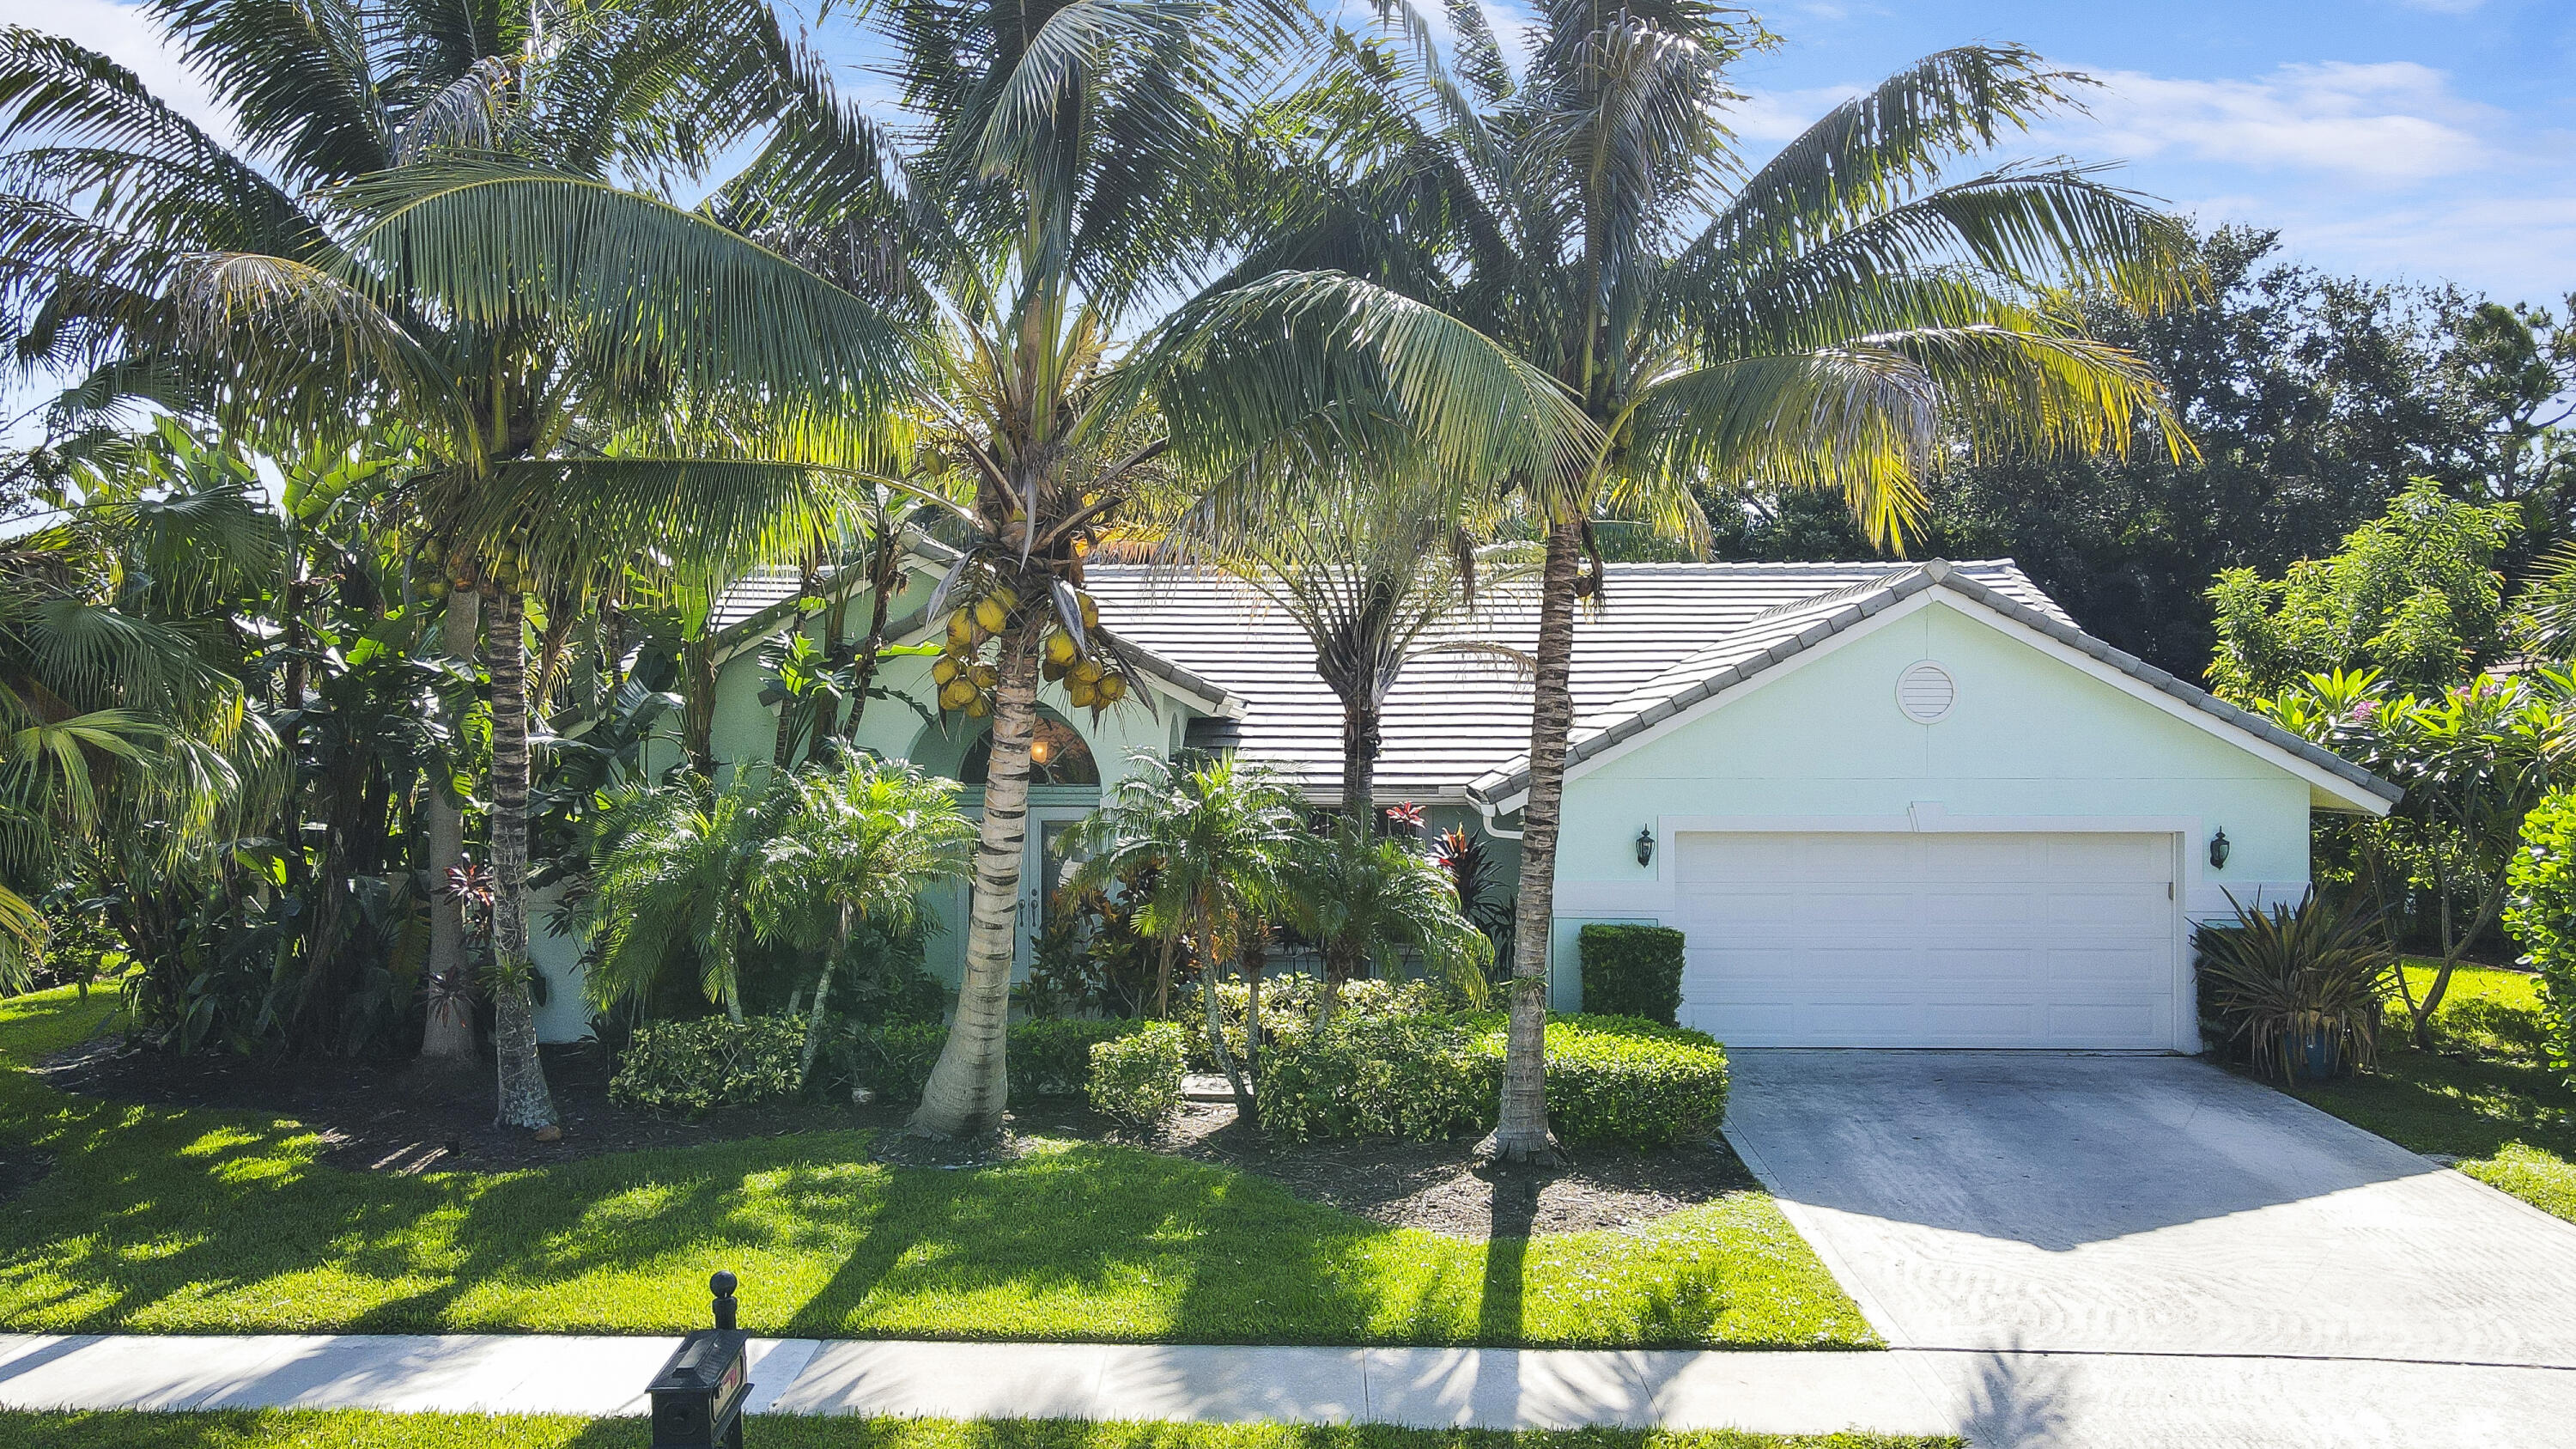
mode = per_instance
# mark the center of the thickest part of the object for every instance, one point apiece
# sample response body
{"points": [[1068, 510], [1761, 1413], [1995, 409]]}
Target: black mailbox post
{"points": [[697, 1397]]}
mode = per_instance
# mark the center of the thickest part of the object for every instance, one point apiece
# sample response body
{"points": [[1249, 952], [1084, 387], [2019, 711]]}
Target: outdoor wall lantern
{"points": [[2218, 848], [1645, 845]]}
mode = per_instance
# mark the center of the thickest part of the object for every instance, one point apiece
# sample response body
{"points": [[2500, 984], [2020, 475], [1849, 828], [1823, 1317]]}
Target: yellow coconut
{"points": [[961, 630], [978, 707], [956, 694], [943, 669], [1050, 671], [1082, 694], [1111, 688], [1090, 609], [991, 614], [1088, 671], [1060, 649]]}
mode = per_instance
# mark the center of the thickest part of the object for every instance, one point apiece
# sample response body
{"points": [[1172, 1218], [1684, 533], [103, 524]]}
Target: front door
{"points": [[1043, 871]]}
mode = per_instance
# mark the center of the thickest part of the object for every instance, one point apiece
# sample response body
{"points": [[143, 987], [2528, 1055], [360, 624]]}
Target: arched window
{"points": [[1057, 756]]}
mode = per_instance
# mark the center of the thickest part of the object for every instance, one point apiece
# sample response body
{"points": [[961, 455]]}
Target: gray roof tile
{"points": [[1454, 717]]}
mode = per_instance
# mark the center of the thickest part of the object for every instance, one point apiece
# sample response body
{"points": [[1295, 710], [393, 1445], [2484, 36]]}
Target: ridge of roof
{"points": [[1816, 620]]}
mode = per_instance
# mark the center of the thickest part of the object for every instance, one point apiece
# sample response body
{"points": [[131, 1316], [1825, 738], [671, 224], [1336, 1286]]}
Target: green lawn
{"points": [[160, 1220], [2485, 1096], [279, 1430]]}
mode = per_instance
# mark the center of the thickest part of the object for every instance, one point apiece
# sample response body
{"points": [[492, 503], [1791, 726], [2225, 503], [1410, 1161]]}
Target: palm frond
{"points": [[652, 290]]}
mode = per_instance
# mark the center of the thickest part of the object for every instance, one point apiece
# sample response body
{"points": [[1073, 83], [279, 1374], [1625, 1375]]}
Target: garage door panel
{"points": [[1983, 909], [1935, 939], [2026, 968], [2108, 1026]]}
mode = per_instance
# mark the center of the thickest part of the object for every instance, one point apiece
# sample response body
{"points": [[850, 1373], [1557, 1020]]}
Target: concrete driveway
{"points": [[2149, 1250]]}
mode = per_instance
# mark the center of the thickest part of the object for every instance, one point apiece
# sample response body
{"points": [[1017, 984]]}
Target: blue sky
{"points": [[2428, 140]]}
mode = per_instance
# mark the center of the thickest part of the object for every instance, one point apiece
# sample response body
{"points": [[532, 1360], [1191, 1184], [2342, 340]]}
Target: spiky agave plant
{"points": [[2285, 976]]}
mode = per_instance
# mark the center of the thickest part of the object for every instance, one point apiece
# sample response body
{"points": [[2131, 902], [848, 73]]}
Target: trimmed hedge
{"points": [[1609, 1079], [1137, 1077], [1048, 1056], [1632, 971], [692, 1067]]}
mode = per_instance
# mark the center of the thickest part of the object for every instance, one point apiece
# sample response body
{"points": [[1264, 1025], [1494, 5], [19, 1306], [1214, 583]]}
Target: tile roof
{"points": [[1783, 633], [1452, 718]]}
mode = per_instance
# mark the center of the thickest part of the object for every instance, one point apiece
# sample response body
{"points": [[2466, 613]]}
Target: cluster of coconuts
{"points": [[966, 682], [439, 574]]}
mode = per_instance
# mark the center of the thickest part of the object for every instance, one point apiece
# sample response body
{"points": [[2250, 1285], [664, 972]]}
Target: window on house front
{"points": [[1056, 757]]}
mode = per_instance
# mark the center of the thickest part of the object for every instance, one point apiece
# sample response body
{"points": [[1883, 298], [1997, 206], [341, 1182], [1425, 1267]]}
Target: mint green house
{"points": [[1888, 804]]}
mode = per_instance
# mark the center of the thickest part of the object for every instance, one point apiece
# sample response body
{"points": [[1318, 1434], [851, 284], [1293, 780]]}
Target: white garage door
{"points": [[1929, 940]]}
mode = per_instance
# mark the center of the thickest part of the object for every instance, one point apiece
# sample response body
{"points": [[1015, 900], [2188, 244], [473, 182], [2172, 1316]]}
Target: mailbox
{"points": [[697, 1397]]}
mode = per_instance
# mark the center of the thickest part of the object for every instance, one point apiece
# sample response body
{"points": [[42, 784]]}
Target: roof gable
{"points": [[1755, 655]]}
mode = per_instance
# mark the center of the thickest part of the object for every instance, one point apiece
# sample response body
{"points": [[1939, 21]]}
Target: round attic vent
{"points": [[1925, 692]]}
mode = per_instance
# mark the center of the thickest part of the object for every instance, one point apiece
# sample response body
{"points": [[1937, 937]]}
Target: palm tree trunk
{"points": [[968, 1087], [822, 995], [1163, 977], [525, 1102], [1211, 967], [1256, 959], [448, 1039], [698, 704], [1521, 1134], [1361, 735]]}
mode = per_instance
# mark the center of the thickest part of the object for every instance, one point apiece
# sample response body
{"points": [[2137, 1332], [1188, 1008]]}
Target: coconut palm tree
{"points": [[1833, 317], [1219, 838], [421, 226], [861, 842], [1072, 178]]}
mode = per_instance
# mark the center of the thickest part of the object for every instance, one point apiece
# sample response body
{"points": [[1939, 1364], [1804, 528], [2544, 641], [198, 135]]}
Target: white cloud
{"points": [[1779, 116], [126, 35], [2392, 123]]}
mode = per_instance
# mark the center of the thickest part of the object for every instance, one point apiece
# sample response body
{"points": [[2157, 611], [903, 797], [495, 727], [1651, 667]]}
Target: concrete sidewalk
{"points": [[2106, 1401]]}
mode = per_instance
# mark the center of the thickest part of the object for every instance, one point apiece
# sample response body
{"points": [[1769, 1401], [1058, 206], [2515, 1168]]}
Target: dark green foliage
{"points": [[691, 1067], [1610, 1079], [2312, 399], [1632, 971], [1136, 1077], [2541, 915], [2281, 977], [1049, 1056]]}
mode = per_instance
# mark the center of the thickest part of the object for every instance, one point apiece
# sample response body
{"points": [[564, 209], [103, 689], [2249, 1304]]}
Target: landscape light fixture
{"points": [[1645, 845], [2218, 848]]}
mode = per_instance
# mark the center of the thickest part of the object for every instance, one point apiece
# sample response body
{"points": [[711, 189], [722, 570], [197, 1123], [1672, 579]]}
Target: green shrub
{"points": [[1609, 1079], [2542, 915], [692, 1067], [1052, 1056], [1047, 1056], [1632, 971], [1291, 1000], [1411, 1077], [1136, 1077]]}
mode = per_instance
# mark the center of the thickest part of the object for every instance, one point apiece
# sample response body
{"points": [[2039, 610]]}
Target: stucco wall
{"points": [[2031, 740]]}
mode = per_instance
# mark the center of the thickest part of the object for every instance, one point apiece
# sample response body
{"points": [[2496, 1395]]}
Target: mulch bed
{"points": [[381, 1118]]}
